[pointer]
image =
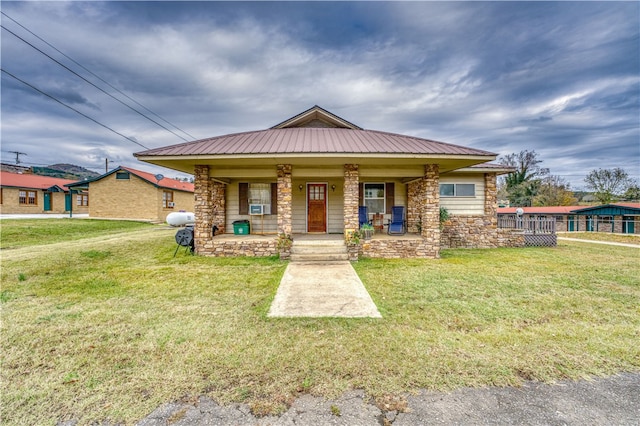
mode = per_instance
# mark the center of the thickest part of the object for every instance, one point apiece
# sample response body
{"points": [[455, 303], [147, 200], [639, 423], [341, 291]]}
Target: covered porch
{"points": [[307, 202]]}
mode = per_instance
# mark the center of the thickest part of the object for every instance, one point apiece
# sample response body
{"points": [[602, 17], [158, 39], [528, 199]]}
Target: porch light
{"points": [[300, 187], [333, 187]]}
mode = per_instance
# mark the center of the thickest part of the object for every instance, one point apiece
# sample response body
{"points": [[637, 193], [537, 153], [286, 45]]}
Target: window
{"points": [[559, 219], [122, 175], [457, 190], [374, 197], [28, 198], [167, 199], [82, 199], [260, 193]]}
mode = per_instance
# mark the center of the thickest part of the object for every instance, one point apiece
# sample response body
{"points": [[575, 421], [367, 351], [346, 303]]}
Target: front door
{"points": [[47, 201], [317, 207], [570, 224], [627, 225]]}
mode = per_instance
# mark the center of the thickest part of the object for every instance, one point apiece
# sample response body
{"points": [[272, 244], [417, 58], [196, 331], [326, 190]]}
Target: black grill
{"points": [[184, 238]]}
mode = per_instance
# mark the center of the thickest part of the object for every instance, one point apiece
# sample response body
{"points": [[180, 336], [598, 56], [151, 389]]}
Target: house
{"points": [[621, 218], [22, 193], [126, 193], [310, 173]]}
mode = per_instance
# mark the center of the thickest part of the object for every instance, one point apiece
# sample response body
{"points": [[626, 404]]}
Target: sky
{"points": [[559, 78]]}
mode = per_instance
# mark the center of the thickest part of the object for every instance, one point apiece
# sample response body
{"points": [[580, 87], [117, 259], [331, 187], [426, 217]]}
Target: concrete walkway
{"points": [[610, 243], [322, 290]]}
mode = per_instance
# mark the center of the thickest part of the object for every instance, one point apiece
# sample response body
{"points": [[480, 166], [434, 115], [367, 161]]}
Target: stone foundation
{"points": [[253, 248], [468, 231], [510, 238], [399, 249]]}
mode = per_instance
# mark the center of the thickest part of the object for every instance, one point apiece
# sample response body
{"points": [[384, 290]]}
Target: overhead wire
{"points": [[91, 83], [71, 108], [95, 75]]}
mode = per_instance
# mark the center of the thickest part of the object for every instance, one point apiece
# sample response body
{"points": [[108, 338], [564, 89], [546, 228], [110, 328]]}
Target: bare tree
{"points": [[523, 184], [608, 184]]}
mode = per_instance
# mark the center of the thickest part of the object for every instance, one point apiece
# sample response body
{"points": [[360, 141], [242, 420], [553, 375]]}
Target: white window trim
{"points": [[384, 195]]}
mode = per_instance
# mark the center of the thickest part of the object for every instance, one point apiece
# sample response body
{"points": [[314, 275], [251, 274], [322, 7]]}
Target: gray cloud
{"points": [[559, 78]]}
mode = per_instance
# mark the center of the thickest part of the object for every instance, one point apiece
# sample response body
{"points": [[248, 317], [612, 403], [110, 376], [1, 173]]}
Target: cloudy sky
{"points": [[562, 78]]}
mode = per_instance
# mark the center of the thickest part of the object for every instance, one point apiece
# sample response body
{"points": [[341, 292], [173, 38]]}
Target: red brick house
{"points": [[311, 172]]}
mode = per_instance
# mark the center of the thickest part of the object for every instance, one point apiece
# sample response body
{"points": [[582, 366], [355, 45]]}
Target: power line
{"points": [[94, 85], [95, 75], [71, 108]]}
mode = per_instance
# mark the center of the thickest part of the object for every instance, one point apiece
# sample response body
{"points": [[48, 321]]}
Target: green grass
{"points": [[603, 236], [112, 330], [16, 233]]}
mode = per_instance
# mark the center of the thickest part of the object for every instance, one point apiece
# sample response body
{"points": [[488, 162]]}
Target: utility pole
{"points": [[106, 165], [18, 154]]}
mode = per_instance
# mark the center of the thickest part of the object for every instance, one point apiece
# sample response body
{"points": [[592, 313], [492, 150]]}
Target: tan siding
{"points": [[464, 205], [268, 224], [400, 190]]}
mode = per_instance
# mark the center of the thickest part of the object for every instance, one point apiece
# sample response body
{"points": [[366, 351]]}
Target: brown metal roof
{"points": [[310, 140]]}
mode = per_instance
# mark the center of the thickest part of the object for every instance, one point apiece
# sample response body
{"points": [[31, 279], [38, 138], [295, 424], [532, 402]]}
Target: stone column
{"points": [[430, 209], [490, 200], [351, 180], [413, 206], [218, 201], [203, 207], [284, 199]]}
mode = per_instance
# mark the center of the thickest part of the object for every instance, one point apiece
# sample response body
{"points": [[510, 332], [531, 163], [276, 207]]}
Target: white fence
{"points": [[528, 225]]}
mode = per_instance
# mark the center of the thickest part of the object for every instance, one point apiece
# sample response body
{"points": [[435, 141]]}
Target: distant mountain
{"points": [[65, 171]]}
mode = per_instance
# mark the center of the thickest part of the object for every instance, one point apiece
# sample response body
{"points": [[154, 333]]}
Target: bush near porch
{"points": [[111, 329]]}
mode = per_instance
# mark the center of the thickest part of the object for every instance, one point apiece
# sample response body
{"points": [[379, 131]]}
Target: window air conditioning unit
{"points": [[171, 204], [259, 209]]}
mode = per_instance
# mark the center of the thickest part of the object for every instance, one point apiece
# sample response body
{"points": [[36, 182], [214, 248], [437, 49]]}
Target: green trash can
{"points": [[241, 227]]}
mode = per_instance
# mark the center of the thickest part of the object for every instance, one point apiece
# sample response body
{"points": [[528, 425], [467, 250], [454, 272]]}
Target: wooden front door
{"points": [[317, 207]]}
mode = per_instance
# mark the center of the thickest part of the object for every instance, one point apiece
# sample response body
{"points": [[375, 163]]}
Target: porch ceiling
{"points": [[230, 166]]}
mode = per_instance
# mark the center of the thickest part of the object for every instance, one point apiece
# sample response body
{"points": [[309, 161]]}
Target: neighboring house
{"points": [[22, 193], [126, 193], [621, 218], [310, 173]]}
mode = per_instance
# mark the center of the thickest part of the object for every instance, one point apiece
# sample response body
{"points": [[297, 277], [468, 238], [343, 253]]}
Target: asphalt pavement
{"points": [[604, 401]]}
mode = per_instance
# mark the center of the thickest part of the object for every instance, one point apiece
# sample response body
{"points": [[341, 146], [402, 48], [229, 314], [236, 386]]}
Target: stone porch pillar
{"points": [[414, 190], [351, 180], [203, 207], [491, 200], [284, 199], [430, 209], [219, 207]]}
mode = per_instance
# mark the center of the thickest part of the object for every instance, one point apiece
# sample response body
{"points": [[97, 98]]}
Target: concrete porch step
{"points": [[319, 257], [319, 251]]}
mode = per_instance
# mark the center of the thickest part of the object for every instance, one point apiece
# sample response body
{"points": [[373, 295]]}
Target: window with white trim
{"points": [[28, 198], [167, 199], [260, 193], [82, 200], [457, 190], [374, 197]]}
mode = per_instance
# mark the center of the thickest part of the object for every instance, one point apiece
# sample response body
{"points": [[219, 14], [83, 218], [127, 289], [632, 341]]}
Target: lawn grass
{"points": [[603, 236], [113, 330], [16, 233]]}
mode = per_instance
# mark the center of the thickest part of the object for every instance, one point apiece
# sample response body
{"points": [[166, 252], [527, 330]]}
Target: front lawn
{"points": [[603, 236], [111, 330], [28, 232]]}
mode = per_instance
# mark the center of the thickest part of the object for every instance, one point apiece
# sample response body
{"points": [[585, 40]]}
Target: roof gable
{"points": [[316, 117], [167, 183]]}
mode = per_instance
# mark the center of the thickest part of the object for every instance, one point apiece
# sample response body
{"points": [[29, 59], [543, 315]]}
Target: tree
{"points": [[523, 184], [632, 193], [608, 184], [554, 191]]}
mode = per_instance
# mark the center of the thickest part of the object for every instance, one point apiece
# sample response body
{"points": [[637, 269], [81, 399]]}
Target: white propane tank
{"points": [[181, 218]]}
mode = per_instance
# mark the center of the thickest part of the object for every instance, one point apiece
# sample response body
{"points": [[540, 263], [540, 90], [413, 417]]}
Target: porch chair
{"points": [[363, 215], [397, 225]]}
